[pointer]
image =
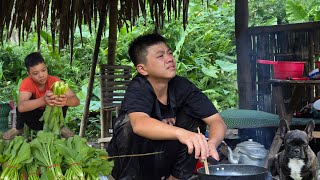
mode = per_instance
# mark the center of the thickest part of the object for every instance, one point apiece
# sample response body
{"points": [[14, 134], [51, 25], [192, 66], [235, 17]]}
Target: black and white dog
{"points": [[296, 161]]}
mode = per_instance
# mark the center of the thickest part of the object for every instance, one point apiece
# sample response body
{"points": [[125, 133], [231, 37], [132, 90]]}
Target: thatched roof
{"points": [[62, 16]]}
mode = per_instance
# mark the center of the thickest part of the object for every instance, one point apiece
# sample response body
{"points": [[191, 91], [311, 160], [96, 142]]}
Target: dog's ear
{"points": [[284, 128], [309, 129]]}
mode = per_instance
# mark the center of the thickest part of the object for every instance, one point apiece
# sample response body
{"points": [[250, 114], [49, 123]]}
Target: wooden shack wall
{"points": [[293, 42]]}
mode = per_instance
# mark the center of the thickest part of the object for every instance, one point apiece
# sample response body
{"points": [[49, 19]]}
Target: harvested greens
{"points": [[49, 157], [53, 115]]}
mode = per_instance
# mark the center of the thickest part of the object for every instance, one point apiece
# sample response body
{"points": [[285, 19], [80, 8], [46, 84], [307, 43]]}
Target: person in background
{"points": [[161, 114], [35, 95]]}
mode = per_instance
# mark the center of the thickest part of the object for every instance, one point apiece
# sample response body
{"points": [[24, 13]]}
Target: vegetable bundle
{"points": [[15, 155], [46, 156], [82, 161], [53, 115]]}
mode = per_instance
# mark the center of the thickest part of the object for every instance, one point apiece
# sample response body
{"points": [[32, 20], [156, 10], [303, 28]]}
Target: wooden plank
{"points": [[113, 88], [112, 67], [111, 100], [112, 83], [316, 134], [115, 76], [112, 94], [285, 27], [104, 140]]}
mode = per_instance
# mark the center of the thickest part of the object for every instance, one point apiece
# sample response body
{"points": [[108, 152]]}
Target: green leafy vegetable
{"points": [[53, 115]]}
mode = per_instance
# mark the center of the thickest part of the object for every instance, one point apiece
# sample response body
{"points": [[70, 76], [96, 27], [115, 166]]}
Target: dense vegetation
{"points": [[205, 52]]}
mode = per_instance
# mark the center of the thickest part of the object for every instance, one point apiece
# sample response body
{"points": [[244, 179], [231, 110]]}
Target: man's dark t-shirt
{"points": [[183, 95], [186, 103]]}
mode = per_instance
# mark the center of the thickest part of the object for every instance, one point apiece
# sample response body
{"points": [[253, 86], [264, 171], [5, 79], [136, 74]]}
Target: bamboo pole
{"points": [[102, 24]]}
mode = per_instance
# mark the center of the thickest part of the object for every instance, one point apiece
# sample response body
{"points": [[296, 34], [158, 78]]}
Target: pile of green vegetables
{"points": [[48, 157]]}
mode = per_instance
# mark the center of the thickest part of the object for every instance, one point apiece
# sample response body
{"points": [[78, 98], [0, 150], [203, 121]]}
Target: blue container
{"points": [[263, 135]]}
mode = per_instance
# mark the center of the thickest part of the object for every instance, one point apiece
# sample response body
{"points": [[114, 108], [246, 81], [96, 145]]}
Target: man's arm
{"points": [[145, 126], [25, 104], [217, 129]]}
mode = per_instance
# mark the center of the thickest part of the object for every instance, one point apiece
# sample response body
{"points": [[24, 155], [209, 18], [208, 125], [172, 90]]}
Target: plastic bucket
{"points": [[285, 69]]}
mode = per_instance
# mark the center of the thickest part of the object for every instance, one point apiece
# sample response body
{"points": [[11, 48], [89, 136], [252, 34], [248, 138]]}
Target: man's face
{"points": [[39, 73], [160, 63]]}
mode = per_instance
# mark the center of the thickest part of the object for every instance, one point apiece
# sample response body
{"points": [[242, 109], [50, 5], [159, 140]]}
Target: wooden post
{"points": [[102, 24], [246, 71], [112, 40]]}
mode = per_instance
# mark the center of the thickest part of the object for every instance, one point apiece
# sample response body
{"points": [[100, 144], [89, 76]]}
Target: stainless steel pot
{"points": [[248, 152], [234, 172]]}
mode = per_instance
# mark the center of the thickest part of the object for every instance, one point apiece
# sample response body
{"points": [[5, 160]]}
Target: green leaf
{"points": [[46, 36], [226, 66], [296, 12], [211, 71]]}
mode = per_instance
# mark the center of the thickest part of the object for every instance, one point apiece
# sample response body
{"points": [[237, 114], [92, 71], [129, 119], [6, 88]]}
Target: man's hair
{"points": [[33, 59], [138, 47]]}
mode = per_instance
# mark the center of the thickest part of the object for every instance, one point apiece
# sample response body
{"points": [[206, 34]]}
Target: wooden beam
{"points": [[284, 27], [246, 73], [112, 40], [316, 134]]}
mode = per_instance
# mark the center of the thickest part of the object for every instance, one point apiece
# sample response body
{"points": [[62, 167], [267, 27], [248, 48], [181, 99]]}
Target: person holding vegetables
{"points": [[157, 127], [35, 94]]}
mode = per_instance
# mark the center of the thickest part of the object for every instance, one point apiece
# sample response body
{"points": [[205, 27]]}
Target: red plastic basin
{"points": [[285, 69]]}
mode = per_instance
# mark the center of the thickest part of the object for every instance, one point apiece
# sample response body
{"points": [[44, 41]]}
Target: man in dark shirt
{"points": [[161, 113]]}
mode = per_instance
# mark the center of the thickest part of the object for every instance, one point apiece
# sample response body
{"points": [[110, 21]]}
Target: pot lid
{"points": [[252, 149], [250, 144]]}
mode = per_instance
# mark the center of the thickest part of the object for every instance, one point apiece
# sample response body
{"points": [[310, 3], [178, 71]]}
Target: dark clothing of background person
{"points": [[186, 103]]}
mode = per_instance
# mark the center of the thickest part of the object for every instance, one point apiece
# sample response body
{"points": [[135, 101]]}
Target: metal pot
{"points": [[234, 172], [249, 153]]}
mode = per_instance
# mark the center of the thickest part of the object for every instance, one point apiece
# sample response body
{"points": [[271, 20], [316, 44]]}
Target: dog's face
{"points": [[296, 144], [297, 160]]}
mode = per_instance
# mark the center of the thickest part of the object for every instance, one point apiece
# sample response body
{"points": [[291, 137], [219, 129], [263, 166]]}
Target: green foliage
{"points": [[11, 71], [303, 11], [267, 12], [205, 55], [273, 12]]}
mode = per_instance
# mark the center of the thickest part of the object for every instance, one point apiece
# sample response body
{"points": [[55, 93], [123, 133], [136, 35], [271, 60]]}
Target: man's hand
{"points": [[61, 100], [54, 100], [195, 142], [213, 151], [49, 98]]}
